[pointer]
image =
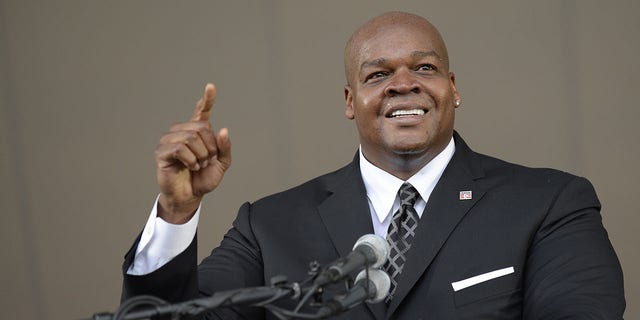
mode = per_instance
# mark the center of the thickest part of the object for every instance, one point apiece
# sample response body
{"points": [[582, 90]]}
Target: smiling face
{"points": [[400, 92]]}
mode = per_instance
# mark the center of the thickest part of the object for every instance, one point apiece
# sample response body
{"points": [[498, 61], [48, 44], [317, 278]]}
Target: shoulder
{"points": [[537, 183], [499, 168], [314, 191], [492, 170]]}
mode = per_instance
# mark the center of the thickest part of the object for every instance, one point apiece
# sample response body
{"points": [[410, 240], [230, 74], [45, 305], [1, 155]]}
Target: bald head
{"points": [[357, 45]]}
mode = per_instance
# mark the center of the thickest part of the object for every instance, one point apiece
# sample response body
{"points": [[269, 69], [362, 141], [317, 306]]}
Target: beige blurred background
{"points": [[87, 88]]}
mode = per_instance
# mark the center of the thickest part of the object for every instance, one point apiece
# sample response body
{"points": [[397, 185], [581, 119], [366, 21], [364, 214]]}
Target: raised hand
{"points": [[191, 161]]}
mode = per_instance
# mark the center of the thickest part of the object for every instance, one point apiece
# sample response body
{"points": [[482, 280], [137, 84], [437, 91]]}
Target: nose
{"points": [[402, 82]]}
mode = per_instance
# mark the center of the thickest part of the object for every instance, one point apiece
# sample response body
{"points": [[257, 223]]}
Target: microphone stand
{"points": [[256, 296]]}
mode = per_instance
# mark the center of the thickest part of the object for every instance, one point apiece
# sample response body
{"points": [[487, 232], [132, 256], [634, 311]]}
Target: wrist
{"points": [[175, 212]]}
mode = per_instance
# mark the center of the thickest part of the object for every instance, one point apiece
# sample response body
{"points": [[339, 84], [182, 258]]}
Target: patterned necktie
{"points": [[401, 232]]}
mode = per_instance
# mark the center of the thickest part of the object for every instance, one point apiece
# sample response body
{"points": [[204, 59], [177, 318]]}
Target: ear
{"points": [[348, 99], [454, 90]]}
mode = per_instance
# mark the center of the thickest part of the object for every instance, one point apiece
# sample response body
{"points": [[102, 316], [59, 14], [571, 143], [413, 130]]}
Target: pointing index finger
{"points": [[203, 108]]}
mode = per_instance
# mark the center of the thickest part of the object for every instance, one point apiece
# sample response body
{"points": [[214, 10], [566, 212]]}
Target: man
{"points": [[490, 240]]}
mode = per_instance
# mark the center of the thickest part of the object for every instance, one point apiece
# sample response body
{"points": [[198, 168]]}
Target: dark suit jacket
{"points": [[544, 223]]}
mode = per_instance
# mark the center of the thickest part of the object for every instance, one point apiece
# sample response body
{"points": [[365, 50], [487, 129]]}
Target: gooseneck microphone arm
{"points": [[247, 296], [372, 285]]}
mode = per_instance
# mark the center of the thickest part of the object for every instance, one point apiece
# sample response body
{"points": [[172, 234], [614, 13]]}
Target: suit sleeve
{"points": [[236, 263], [176, 281], [572, 270]]}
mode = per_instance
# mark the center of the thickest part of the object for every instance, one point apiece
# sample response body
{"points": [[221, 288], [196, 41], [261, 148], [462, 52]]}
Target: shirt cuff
{"points": [[161, 241]]}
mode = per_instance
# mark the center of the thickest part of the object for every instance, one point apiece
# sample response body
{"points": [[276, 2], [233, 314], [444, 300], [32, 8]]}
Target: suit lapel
{"points": [[345, 212], [346, 216], [443, 212]]}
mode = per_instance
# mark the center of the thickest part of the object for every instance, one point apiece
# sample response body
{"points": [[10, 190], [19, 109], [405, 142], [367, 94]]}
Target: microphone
{"points": [[369, 251], [371, 285]]}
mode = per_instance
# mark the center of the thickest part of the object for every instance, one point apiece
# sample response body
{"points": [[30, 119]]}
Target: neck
{"points": [[402, 165]]}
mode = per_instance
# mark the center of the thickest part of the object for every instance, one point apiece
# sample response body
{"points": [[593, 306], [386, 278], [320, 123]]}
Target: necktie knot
{"points": [[408, 195]]}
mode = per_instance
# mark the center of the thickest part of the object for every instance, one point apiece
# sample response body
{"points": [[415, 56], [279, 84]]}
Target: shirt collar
{"points": [[382, 187]]}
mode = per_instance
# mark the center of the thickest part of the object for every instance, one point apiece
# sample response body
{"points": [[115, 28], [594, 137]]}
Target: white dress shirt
{"points": [[382, 187], [162, 241]]}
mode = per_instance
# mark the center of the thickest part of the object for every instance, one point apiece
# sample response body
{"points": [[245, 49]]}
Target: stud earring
{"points": [[457, 103]]}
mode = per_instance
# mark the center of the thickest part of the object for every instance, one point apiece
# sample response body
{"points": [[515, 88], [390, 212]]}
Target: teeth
{"points": [[412, 112]]}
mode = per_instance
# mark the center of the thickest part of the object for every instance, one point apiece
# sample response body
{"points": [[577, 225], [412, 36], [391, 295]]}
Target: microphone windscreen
{"points": [[379, 280], [379, 245]]}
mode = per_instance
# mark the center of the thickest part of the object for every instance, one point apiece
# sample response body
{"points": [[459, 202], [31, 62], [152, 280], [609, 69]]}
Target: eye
{"points": [[426, 67], [375, 75]]}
